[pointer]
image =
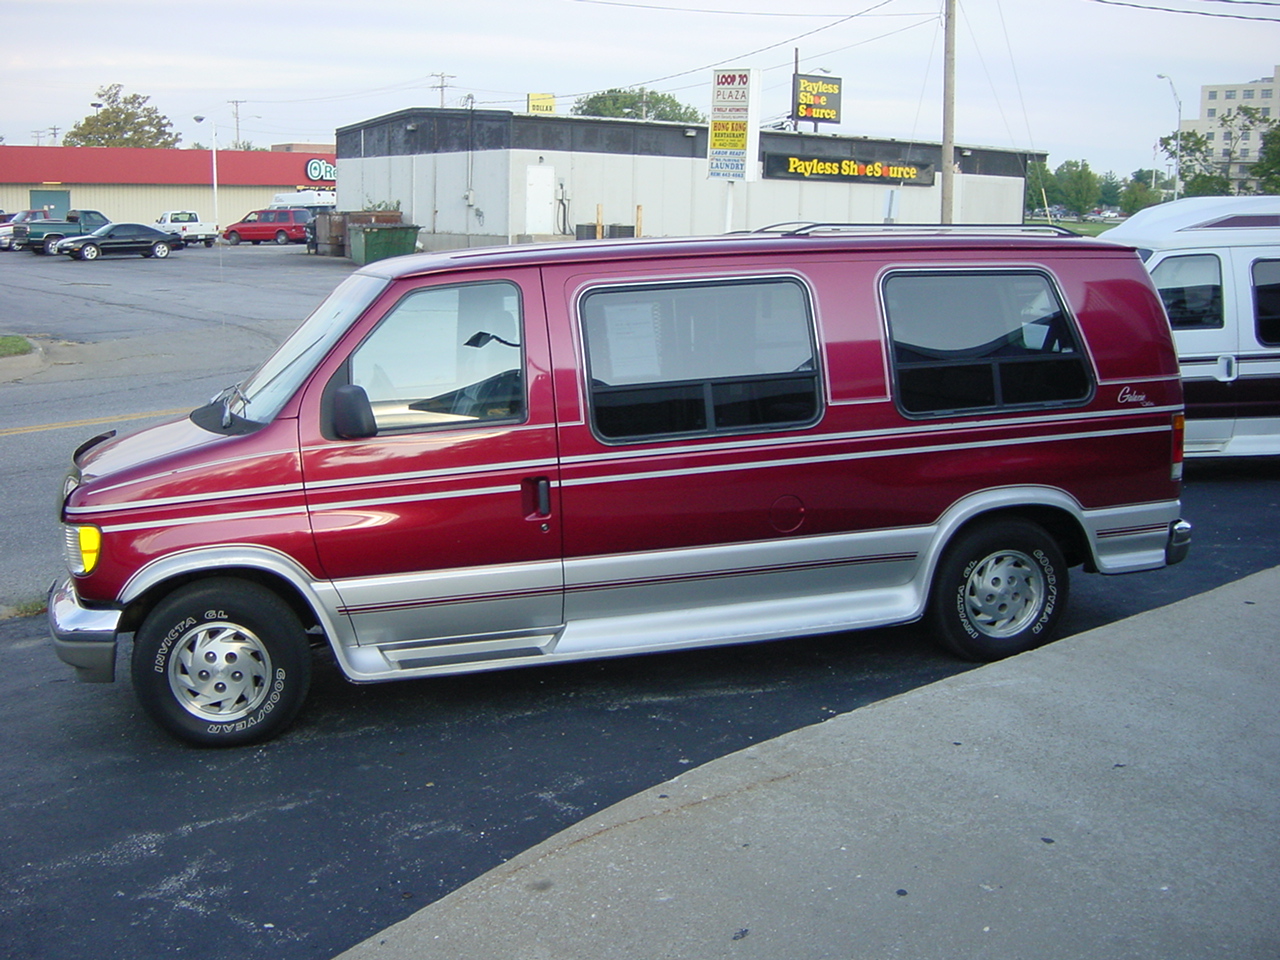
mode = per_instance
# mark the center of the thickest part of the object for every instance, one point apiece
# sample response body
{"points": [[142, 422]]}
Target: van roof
{"points": [[1202, 222], [1013, 240]]}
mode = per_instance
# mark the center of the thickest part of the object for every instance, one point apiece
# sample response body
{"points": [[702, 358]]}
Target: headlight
{"points": [[82, 545]]}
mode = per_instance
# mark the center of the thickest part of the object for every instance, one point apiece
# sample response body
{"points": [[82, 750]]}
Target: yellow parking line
{"points": [[90, 423]]}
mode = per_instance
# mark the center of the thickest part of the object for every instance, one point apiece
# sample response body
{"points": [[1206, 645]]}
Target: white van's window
{"points": [[445, 356], [1266, 301], [1191, 288], [699, 358], [972, 341]]}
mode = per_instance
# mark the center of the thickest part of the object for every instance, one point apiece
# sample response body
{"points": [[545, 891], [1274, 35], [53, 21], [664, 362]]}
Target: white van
{"points": [[1216, 263], [317, 201]]}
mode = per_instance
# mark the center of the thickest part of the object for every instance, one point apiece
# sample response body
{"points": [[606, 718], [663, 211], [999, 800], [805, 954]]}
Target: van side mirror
{"points": [[352, 413]]}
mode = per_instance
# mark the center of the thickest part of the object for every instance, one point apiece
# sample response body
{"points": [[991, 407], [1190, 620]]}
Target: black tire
{"points": [[160, 250], [255, 242], [1001, 589], [281, 237], [89, 251], [208, 242], [257, 656], [233, 238]]}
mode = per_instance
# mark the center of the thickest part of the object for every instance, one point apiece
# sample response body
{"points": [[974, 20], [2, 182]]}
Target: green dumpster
{"points": [[377, 241]]}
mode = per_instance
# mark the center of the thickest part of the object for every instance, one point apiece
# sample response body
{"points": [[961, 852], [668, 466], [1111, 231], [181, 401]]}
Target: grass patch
{"points": [[11, 346], [26, 608], [1086, 228]]}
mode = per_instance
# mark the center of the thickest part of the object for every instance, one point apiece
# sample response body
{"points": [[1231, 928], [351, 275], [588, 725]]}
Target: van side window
{"points": [[975, 341], [1266, 301], [1191, 288], [445, 356], [700, 358]]}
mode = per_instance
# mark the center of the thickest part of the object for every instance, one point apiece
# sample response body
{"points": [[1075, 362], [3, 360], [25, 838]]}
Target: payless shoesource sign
{"points": [[783, 166]]}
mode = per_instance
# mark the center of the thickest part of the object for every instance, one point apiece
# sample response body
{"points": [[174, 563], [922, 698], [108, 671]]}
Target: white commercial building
{"points": [[477, 177]]}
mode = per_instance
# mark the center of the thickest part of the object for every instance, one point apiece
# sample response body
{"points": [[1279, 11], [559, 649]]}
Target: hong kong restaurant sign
{"points": [[786, 166]]}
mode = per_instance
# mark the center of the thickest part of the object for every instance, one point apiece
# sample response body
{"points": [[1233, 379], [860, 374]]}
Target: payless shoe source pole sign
{"points": [[815, 98], [733, 148]]}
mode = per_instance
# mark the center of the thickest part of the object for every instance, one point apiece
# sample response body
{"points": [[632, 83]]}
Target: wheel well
{"points": [[141, 606], [1059, 524]]}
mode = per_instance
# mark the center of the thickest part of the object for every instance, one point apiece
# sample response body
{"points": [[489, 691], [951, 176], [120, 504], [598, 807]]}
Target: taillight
{"points": [[1179, 435]]}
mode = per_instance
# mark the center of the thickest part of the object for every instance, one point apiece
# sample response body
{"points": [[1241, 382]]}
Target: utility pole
{"points": [[53, 132], [235, 111], [948, 110], [442, 84]]}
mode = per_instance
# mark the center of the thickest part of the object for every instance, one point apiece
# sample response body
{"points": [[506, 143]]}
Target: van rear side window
{"points": [[1191, 288], [700, 358], [977, 341]]}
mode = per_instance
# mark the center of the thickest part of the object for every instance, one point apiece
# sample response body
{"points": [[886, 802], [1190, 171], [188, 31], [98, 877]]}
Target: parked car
{"points": [[120, 238], [10, 220], [535, 455], [1216, 264], [279, 226]]}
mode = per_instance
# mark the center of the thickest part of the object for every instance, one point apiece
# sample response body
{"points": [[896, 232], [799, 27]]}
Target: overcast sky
{"points": [[1076, 78]]}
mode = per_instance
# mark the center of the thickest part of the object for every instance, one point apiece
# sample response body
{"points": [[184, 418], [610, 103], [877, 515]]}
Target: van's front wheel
{"points": [[1000, 589], [221, 662]]}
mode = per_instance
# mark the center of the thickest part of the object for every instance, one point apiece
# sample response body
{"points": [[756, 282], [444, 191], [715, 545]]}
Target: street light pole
{"points": [[217, 224], [1177, 136], [947, 188]]}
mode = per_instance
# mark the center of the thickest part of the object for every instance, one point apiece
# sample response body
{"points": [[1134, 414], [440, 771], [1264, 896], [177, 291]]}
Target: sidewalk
{"points": [[1114, 795]]}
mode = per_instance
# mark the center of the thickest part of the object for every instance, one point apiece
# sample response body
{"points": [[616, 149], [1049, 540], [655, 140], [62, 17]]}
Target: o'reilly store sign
{"points": [[788, 166]]}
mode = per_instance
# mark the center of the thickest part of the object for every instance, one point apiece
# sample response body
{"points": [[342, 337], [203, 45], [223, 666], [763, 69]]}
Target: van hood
{"points": [[107, 454]]}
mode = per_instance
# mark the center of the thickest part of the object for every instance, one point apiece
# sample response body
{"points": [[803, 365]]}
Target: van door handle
{"points": [[537, 497], [1226, 371]]}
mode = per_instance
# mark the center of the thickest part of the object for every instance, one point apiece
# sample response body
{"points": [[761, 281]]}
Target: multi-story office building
{"points": [[1234, 140]]}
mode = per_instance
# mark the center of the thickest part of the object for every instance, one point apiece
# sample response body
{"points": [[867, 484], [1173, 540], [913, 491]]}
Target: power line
{"points": [[732, 13], [1196, 13]]}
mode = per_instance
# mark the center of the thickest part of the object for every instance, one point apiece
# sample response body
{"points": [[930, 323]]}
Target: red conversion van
{"points": [[531, 455]]}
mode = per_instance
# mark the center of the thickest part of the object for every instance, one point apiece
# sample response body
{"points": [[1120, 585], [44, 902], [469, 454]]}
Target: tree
{"points": [[1267, 168], [637, 104], [1196, 150], [1079, 185], [1138, 194], [1207, 185], [122, 121], [1042, 188], [1110, 188]]}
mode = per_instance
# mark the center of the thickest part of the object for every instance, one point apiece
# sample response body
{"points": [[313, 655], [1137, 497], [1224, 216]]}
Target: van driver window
{"points": [[445, 357]]}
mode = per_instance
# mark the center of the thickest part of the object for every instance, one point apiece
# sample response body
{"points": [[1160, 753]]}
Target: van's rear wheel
{"points": [[281, 237], [1000, 589], [221, 662]]}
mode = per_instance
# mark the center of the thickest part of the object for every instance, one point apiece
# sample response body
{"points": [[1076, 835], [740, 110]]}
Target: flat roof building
{"points": [[472, 177]]}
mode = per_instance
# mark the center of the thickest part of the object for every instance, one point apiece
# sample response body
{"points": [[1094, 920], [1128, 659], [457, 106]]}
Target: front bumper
{"points": [[84, 638]]}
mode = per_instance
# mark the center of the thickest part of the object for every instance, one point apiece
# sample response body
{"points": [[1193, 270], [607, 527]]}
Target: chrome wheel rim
{"points": [[1004, 593], [220, 671]]}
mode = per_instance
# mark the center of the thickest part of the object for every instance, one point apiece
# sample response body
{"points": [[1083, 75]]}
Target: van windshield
{"points": [[267, 390]]}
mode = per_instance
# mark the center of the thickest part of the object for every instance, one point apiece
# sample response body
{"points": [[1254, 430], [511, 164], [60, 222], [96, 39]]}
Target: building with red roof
{"points": [[136, 184]]}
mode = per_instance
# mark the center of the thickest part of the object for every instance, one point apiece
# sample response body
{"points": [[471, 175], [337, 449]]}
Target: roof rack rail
{"points": [[804, 228]]}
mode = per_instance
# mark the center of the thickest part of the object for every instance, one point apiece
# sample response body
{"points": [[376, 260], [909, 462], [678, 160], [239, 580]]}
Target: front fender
{"points": [[319, 595]]}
